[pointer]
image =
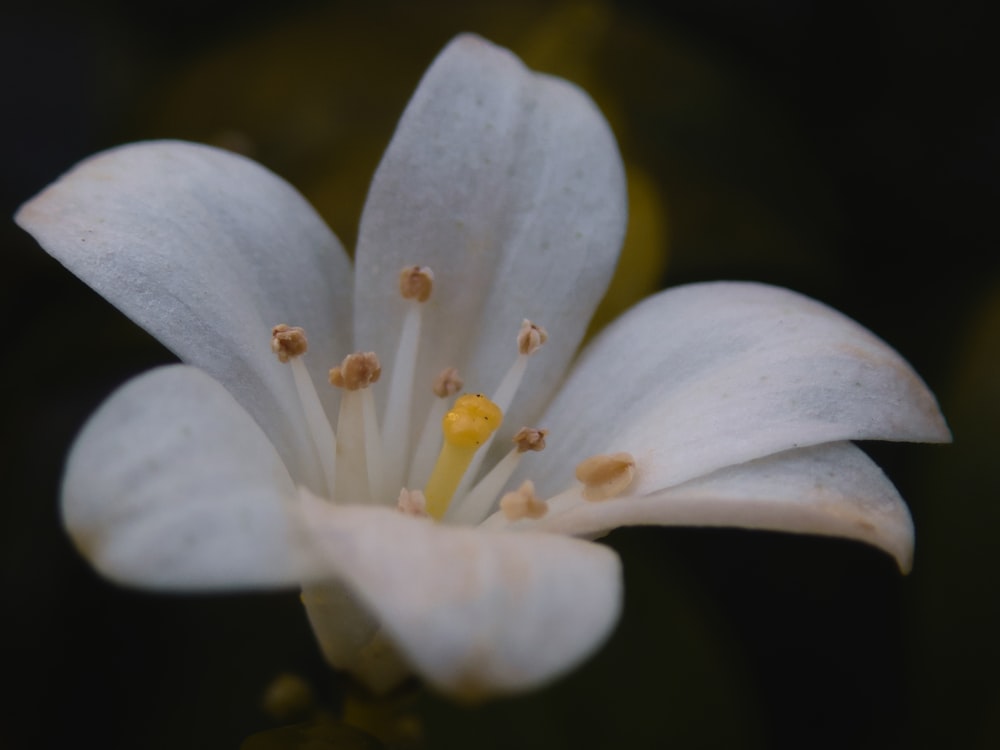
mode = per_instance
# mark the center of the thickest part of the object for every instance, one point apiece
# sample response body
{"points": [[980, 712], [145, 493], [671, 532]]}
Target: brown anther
{"points": [[357, 371], [447, 383], [606, 476], [416, 283], [531, 337], [288, 341], [529, 439], [523, 503], [412, 503]]}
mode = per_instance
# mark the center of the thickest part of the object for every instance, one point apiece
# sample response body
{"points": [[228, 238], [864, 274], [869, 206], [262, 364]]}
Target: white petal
{"points": [[172, 485], [832, 489], [206, 250], [510, 187], [473, 611], [709, 375]]}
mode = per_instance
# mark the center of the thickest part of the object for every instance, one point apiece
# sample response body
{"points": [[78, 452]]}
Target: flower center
{"points": [[367, 462]]}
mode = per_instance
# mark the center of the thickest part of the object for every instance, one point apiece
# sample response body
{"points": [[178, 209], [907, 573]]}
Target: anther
{"points": [[288, 341], [416, 283], [530, 338], [415, 286], [529, 439], [447, 383], [606, 476], [360, 443], [523, 503], [412, 503], [357, 371]]}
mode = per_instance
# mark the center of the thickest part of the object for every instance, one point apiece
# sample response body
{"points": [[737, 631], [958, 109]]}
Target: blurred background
{"points": [[849, 151]]}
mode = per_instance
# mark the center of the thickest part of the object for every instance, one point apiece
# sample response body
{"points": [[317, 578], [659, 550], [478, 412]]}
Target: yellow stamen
{"points": [[467, 426]]}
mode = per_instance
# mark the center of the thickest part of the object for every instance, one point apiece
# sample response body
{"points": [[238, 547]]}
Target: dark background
{"points": [[846, 150]]}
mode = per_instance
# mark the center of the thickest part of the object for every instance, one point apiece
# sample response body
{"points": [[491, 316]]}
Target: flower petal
{"points": [[172, 485], [207, 251], [832, 489], [473, 611], [510, 187], [710, 375]]}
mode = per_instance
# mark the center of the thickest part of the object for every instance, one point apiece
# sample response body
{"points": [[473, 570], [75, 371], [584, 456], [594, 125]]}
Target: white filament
{"points": [[324, 439]]}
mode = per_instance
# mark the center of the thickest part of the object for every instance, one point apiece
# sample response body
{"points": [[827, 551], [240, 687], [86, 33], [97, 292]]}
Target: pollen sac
{"points": [[416, 283], [531, 337], [412, 503], [523, 503], [288, 341], [606, 476], [357, 371], [529, 439], [447, 383]]}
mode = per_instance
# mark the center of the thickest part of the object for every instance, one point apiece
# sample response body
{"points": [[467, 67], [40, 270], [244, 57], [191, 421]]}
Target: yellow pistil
{"points": [[466, 427]]}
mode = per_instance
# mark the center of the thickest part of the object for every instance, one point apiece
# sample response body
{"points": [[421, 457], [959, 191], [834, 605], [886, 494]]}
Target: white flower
{"points": [[731, 403]]}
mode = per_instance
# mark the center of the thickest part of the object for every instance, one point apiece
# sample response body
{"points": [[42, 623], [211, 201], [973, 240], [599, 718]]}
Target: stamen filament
{"points": [[319, 427], [396, 420], [472, 508], [359, 443], [289, 343], [428, 445], [374, 457], [352, 478], [505, 392], [476, 505], [530, 339], [447, 384]]}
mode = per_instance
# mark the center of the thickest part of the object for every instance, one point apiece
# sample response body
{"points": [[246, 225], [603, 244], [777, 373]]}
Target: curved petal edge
{"points": [[472, 611], [830, 490], [711, 375], [172, 485]]}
